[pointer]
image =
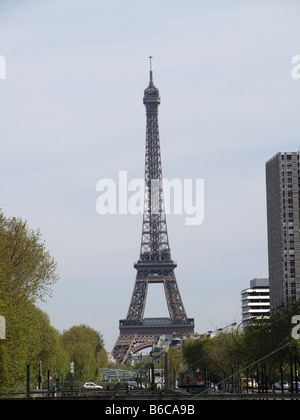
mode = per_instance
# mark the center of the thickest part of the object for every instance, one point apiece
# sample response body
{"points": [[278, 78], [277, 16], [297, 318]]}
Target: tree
{"points": [[264, 350], [102, 358], [29, 339], [175, 364], [27, 271], [194, 354], [26, 268], [83, 345]]}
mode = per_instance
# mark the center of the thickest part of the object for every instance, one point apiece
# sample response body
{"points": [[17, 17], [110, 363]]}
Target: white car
{"points": [[92, 385]]}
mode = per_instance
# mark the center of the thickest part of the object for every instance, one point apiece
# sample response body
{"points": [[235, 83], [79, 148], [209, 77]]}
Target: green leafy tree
{"points": [[27, 269], [83, 345], [27, 272], [193, 351], [102, 358]]}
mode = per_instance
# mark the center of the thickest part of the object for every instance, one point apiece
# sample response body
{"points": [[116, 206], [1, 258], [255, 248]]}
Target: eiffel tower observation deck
{"points": [[155, 264]]}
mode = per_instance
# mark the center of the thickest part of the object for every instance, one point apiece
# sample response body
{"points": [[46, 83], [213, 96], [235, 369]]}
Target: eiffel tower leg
{"points": [[174, 301], [130, 342], [126, 341], [122, 347], [138, 300], [119, 349]]}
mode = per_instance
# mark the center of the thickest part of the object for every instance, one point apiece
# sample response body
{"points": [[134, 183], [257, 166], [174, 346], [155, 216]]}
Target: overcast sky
{"points": [[72, 114]]}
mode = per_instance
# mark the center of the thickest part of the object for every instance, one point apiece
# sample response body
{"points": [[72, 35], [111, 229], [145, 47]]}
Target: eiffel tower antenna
{"points": [[155, 264], [151, 70]]}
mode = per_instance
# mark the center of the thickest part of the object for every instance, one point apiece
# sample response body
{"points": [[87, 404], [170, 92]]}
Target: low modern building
{"points": [[256, 300]]}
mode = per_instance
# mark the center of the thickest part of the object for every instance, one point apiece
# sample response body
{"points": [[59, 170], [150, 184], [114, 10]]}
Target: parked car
{"points": [[294, 386], [121, 385], [125, 385], [92, 386], [248, 383], [277, 386], [286, 385]]}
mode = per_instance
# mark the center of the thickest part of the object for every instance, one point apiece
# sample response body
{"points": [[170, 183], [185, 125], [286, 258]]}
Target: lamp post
{"points": [[2, 328], [210, 333], [40, 375], [72, 373]]}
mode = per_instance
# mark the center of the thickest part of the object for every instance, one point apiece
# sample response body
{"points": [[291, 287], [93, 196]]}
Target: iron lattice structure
{"points": [[155, 264]]}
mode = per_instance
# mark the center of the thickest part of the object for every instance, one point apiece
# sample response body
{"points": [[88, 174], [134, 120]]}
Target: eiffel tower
{"points": [[155, 264]]}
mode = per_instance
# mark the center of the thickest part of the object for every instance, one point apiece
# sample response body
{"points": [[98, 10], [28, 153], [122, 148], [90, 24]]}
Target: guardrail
{"points": [[138, 394]]}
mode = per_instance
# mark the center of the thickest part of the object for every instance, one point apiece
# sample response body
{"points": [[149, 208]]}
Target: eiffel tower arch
{"points": [[155, 264]]}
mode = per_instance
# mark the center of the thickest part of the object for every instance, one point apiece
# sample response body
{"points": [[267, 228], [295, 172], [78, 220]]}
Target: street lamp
{"points": [[2, 328], [72, 373], [209, 333], [40, 375]]}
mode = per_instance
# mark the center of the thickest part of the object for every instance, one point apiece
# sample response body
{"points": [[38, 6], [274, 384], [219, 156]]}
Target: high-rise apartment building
{"points": [[283, 186]]}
